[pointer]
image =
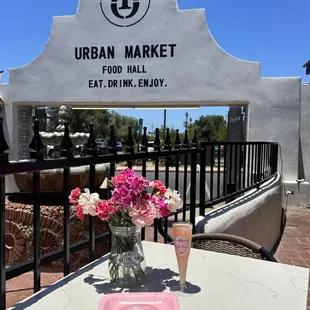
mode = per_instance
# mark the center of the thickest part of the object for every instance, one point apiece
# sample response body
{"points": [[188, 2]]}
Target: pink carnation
{"points": [[111, 201], [116, 207], [142, 213], [138, 184], [129, 198], [119, 180], [147, 196], [128, 172], [123, 196], [104, 210], [79, 212], [163, 208], [74, 196], [159, 186]]}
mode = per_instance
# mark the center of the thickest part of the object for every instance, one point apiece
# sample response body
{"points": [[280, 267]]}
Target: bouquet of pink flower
{"points": [[135, 201]]}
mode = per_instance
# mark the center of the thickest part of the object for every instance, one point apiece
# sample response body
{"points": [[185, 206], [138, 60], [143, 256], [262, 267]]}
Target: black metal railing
{"points": [[218, 172]]}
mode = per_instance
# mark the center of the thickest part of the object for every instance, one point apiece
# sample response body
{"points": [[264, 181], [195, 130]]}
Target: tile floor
{"points": [[294, 249]]}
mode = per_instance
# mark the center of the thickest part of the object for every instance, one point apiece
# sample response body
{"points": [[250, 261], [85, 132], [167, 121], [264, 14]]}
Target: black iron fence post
{"points": [[130, 146], [3, 160], [2, 243], [91, 144], [167, 147], [258, 172], [112, 149], [144, 142], [36, 146], [36, 153], [232, 161], [193, 184], [177, 146], [274, 158], [211, 148], [202, 194], [144, 148], [157, 222], [36, 231], [66, 152], [185, 146]]}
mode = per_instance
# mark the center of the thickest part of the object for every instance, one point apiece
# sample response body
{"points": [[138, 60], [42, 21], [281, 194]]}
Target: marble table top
{"points": [[216, 281]]}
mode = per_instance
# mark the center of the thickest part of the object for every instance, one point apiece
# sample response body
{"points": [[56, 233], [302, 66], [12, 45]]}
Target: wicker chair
{"points": [[230, 244]]}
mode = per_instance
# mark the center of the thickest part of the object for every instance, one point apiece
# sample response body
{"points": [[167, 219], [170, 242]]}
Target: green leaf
{"points": [[110, 184], [155, 191]]}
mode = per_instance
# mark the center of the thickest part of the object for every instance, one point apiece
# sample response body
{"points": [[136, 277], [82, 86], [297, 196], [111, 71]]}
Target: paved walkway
{"points": [[294, 249]]}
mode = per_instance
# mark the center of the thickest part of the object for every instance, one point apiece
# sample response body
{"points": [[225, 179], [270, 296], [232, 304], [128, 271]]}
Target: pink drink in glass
{"points": [[182, 234]]}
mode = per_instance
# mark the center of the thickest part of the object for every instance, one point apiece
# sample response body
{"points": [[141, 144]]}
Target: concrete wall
{"points": [[301, 187], [7, 114], [197, 73], [255, 216], [304, 165]]}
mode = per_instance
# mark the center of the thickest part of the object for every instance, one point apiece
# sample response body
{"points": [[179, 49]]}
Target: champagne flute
{"points": [[182, 235]]}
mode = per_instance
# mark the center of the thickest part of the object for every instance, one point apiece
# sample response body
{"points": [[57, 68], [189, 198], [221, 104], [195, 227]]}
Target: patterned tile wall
{"points": [[24, 131]]}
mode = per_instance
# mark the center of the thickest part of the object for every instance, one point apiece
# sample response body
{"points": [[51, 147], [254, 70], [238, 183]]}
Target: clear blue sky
{"points": [[273, 32]]}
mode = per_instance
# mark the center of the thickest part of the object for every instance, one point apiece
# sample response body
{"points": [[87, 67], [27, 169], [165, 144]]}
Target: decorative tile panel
{"points": [[24, 131]]}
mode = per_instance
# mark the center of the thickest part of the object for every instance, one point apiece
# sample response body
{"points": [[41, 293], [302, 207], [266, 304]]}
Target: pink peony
{"points": [[104, 210], [159, 186], [119, 180], [142, 213], [74, 196], [79, 212]]}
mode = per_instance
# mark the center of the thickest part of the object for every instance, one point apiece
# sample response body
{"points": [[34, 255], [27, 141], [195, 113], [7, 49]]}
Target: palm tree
{"points": [[186, 122]]}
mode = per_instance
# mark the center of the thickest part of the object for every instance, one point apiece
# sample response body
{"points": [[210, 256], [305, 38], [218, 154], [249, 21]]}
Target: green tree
{"points": [[53, 119], [121, 124], [172, 135], [211, 128]]}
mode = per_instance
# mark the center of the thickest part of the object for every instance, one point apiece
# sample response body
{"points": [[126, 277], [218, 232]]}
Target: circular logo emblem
{"points": [[129, 259], [124, 13]]}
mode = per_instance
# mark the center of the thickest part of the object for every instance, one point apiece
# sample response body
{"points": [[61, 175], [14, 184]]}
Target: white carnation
{"points": [[173, 200], [89, 202]]}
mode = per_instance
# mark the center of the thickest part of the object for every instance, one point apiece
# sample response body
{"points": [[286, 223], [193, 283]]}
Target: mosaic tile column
{"points": [[24, 131]]}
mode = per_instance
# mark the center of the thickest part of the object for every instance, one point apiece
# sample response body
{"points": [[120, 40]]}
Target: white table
{"points": [[219, 282]]}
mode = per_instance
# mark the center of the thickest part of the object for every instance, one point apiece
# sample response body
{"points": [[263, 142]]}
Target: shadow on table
{"points": [[157, 280], [51, 288]]}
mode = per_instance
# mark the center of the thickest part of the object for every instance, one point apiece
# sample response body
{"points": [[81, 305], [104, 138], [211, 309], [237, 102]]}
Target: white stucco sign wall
{"points": [[148, 53], [166, 56]]}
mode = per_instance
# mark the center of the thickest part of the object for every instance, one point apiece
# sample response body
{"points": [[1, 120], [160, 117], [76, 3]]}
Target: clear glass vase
{"points": [[127, 262]]}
